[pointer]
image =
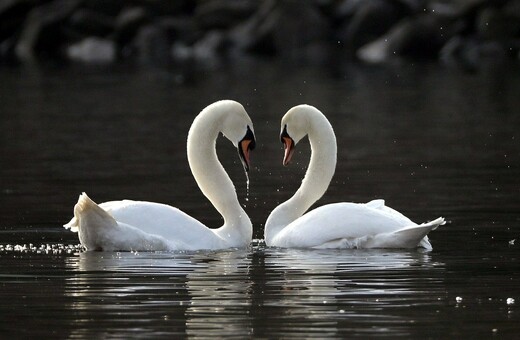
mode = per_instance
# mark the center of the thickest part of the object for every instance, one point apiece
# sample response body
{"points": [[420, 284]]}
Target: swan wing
{"points": [[163, 220], [98, 230], [138, 225], [379, 204], [353, 225]]}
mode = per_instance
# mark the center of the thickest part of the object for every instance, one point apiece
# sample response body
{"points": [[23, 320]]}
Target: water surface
{"points": [[431, 141]]}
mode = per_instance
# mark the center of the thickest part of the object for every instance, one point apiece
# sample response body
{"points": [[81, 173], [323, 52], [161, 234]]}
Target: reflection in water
{"points": [[331, 292], [263, 292], [156, 293], [220, 296]]}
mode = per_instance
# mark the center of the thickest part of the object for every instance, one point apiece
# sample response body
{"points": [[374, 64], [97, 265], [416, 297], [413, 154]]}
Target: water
{"points": [[431, 141]]}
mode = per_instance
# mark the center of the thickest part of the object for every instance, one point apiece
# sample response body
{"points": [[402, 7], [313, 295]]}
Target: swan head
{"points": [[238, 128], [296, 124]]}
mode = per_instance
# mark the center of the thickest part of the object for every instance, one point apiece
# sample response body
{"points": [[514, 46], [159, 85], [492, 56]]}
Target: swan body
{"points": [[148, 226], [337, 225]]}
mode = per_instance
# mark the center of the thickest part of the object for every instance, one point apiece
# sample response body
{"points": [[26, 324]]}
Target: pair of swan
{"points": [[137, 225]]}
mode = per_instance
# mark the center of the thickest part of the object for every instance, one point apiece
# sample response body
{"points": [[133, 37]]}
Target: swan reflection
{"points": [[266, 292], [336, 291], [160, 293]]}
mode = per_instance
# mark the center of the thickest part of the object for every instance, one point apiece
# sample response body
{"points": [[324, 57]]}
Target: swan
{"points": [[146, 226], [337, 225]]}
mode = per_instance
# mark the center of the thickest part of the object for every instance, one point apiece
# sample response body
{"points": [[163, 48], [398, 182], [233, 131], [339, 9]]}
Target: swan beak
{"points": [[245, 146], [288, 145]]}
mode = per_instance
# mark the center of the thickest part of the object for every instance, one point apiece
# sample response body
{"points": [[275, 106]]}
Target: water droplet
{"points": [[247, 186], [458, 299], [510, 301]]}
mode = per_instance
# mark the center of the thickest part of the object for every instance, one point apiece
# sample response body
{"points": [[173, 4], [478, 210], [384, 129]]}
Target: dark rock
{"points": [[207, 50], [107, 7], [93, 51], [167, 8], [181, 29], [300, 31], [222, 14], [41, 32], [494, 24], [152, 45], [12, 16], [420, 37], [371, 19], [210, 46], [512, 9], [256, 33], [471, 54], [346, 9], [7, 50], [90, 22], [127, 25]]}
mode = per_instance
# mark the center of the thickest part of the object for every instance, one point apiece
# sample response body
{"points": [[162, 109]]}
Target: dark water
{"points": [[431, 141]]}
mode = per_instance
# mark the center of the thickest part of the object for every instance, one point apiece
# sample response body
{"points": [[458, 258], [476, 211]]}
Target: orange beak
{"points": [[288, 145], [245, 147]]}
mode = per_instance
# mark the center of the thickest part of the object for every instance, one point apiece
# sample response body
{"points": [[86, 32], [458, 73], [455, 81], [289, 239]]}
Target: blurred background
{"points": [[465, 33]]}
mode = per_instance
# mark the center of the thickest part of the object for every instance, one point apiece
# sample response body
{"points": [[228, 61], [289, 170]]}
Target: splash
{"points": [[247, 187], [54, 249]]}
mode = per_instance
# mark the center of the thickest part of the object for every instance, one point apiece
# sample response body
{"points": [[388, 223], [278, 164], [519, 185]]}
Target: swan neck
{"points": [[317, 178], [212, 178]]}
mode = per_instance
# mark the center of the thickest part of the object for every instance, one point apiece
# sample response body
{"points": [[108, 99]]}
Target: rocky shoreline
{"points": [[464, 33]]}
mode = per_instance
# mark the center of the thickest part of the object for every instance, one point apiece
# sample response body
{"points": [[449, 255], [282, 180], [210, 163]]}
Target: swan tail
{"points": [[408, 237], [425, 242], [435, 223], [91, 222], [73, 225]]}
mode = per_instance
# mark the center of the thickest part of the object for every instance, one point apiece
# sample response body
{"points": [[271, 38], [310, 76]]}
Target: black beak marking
{"points": [[243, 150], [284, 134]]}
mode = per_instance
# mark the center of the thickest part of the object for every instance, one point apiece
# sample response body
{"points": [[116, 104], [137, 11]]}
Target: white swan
{"points": [[135, 225], [338, 225]]}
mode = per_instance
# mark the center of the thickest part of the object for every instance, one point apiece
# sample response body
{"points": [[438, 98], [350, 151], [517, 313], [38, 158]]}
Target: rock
{"points": [[127, 25], [371, 19], [300, 31], [41, 29], [181, 29], [207, 50], [12, 16], [472, 54], [209, 47], [256, 33], [223, 14], [152, 45], [107, 7], [93, 51], [90, 22], [494, 24], [167, 8], [420, 37]]}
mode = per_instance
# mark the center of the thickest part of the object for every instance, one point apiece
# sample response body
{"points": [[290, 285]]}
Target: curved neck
{"points": [[213, 180], [316, 181]]}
